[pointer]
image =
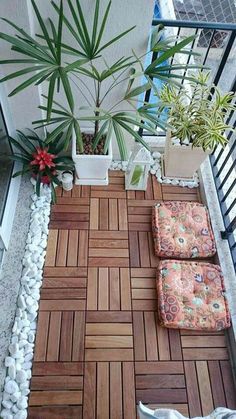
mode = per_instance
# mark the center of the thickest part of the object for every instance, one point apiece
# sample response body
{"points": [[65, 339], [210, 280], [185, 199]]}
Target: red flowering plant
{"points": [[40, 159]]}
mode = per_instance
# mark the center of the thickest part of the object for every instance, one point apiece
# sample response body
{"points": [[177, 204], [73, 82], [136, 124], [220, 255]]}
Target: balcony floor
{"points": [[99, 348]]}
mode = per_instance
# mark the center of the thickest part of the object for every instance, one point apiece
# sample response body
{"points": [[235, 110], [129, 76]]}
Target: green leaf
{"points": [[115, 39], [28, 82], [38, 184], [138, 171], [67, 88], [138, 90], [75, 65], [59, 33], [51, 94], [169, 53], [120, 140], [134, 134], [44, 29], [83, 24], [51, 137], [102, 27], [95, 22], [22, 72], [100, 133]]}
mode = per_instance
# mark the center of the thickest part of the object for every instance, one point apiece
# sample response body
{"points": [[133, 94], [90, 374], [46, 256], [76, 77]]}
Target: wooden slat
{"points": [[56, 305], [204, 387], [113, 235], [70, 216], [109, 317], [175, 345], [116, 410], [114, 289], [69, 225], [134, 249], [83, 248], [55, 412], [57, 368], [109, 342], [62, 248], [66, 336], [165, 395], [139, 336], [72, 255], [157, 189], [229, 385], [78, 336], [65, 272], [129, 411], [89, 402], [203, 341], [160, 381], [217, 387], [114, 244], [108, 354], [64, 282], [192, 389], [151, 337], [63, 293], [52, 383], [94, 214], [51, 248], [108, 329], [108, 194], [103, 390], [54, 336], [144, 249], [72, 201], [199, 354], [111, 253], [72, 208], [103, 214], [113, 214], [122, 209], [163, 343], [92, 291], [125, 291], [108, 262], [42, 336], [49, 398], [159, 367], [103, 291]]}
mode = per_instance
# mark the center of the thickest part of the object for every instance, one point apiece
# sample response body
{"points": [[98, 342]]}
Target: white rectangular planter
{"points": [[91, 169], [182, 161]]}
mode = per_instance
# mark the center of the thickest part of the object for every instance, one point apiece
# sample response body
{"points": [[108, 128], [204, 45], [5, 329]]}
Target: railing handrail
{"points": [[195, 24]]}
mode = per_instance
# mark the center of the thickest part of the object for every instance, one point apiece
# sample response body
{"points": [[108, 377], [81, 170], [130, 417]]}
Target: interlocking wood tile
{"points": [[55, 412], [99, 345]]}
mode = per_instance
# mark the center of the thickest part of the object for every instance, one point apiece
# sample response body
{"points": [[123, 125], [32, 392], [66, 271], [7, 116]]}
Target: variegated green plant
{"points": [[52, 60], [198, 115]]}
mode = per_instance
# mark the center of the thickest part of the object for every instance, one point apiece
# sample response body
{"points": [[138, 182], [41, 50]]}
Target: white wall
{"points": [[123, 14]]}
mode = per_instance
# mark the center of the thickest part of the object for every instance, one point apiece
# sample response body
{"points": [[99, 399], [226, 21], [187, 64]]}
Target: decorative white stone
{"points": [[19, 362], [11, 387]]}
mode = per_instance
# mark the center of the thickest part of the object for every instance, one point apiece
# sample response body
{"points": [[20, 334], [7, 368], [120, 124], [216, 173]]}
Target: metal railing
{"points": [[222, 61]]}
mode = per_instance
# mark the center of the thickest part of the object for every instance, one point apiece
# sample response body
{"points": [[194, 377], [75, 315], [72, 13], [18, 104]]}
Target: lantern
{"points": [[136, 175]]}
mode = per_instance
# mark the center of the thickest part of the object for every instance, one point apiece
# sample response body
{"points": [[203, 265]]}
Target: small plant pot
{"points": [[91, 169], [182, 161], [67, 180]]}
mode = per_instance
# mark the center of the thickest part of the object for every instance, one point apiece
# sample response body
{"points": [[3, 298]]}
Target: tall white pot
{"points": [[91, 169], [182, 161]]}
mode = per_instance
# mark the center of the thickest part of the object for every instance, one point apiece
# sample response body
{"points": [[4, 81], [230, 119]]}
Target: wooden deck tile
{"points": [[99, 345]]}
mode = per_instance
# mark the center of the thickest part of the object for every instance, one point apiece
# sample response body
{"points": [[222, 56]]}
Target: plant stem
{"points": [[97, 112]]}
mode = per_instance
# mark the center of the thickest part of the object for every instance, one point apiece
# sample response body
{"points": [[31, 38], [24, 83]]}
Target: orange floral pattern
{"points": [[182, 230], [191, 295]]}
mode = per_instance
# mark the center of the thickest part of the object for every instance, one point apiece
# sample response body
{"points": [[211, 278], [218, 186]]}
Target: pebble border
{"points": [[21, 348], [156, 169], [20, 358]]}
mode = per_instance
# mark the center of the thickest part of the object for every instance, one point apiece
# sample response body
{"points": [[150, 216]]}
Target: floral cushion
{"points": [[182, 230], [191, 296]]}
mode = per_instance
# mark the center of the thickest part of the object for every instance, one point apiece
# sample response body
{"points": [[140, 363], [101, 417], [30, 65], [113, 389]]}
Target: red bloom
{"points": [[43, 159]]}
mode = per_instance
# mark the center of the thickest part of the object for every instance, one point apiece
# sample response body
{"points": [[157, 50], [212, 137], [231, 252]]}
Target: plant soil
{"points": [[88, 145]]}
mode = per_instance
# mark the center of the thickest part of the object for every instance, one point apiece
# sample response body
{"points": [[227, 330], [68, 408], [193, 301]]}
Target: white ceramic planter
{"points": [[182, 161], [91, 169]]}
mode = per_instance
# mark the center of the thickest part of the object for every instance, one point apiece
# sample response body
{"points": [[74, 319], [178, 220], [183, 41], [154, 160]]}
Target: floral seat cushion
{"points": [[191, 295], [182, 230]]}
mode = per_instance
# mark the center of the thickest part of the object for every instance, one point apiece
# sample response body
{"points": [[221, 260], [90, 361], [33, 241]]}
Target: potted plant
{"points": [[197, 117], [40, 159], [54, 60]]}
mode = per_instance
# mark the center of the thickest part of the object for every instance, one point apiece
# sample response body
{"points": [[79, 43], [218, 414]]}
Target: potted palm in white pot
{"points": [[54, 61], [197, 117]]}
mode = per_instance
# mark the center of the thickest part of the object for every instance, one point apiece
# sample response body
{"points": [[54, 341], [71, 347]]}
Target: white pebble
{"points": [[5, 414], [12, 372], [22, 403], [11, 387], [9, 361], [21, 376], [22, 414]]}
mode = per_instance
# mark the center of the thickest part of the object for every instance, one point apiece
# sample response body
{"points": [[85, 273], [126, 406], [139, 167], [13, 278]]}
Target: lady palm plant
{"points": [[53, 60], [198, 116]]}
